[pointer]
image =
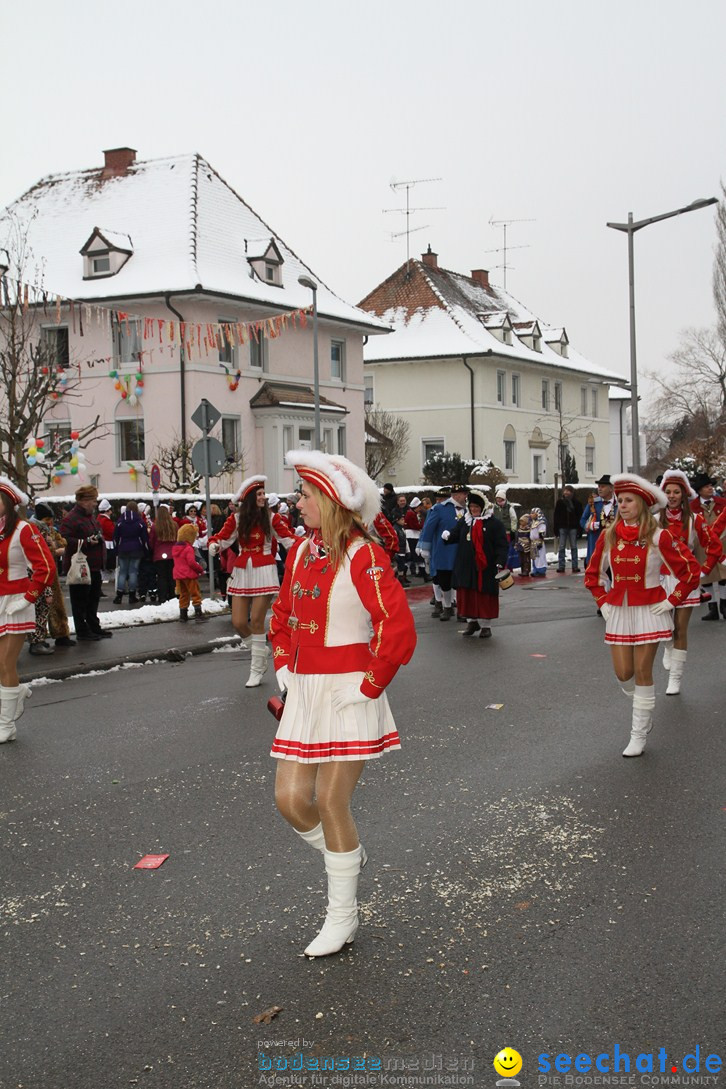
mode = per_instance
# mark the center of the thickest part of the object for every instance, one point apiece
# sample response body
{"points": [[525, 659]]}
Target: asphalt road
{"points": [[526, 886]]}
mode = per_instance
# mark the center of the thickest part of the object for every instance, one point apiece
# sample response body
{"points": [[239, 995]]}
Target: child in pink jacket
{"points": [[187, 570]]}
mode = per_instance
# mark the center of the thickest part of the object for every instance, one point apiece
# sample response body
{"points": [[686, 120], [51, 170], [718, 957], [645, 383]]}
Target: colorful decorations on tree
{"points": [[72, 464]]}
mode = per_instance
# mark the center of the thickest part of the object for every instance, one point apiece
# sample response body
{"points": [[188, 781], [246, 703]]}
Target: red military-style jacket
{"points": [[700, 533], [25, 548], [636, 568], [259, 549], [351, 619]]}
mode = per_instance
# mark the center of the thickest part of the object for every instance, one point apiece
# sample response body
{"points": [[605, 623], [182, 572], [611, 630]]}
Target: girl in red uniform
{"points": [[254, 582], [21, 549], [638, 614], [691, 529], [340, 629]]}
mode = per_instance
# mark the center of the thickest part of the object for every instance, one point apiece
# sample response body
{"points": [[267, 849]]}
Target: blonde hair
{"points": [[338, 525], [647, 525]]}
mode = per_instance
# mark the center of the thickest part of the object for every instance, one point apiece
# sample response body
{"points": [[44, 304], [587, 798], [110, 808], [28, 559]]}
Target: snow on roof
{"points": [[189, 229], [617, 393], [116, 239], [438, 313]]}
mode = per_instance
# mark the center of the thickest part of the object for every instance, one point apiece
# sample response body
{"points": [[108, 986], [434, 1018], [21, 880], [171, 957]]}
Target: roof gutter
{"points": [[473, 355], [182, 386]]}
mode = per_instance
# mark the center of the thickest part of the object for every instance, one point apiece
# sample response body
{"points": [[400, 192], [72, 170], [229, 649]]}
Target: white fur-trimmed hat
{"points": [[248, 485], [338, 478], [655, 498], [677, 476], [13, 491]]}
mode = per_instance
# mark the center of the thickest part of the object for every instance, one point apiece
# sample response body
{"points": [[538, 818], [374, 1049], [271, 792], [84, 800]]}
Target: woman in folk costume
{"points": [[691, 529], [538, 551], [482, 552], [22, 549], [638, 613], [254, 582], [340, 629]]}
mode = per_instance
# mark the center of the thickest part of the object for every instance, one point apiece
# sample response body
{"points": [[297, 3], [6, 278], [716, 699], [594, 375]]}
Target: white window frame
{"points": [[133, 338], [236, 423], [583, 400], [593, 402], [434, 440], [368, 394], [558, 397], [335, 341], [501, 387], [60, 431], [120, 421], [546, 394], [49, 341], [538, 456], [517, 390], [259, 348], [590, 460], [94, 258], [227, 350], [510, 455], [342, 441]]}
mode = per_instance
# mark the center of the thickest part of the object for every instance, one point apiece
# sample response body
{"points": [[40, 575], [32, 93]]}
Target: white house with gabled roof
{"points": [[161, 267], [473, 371]]}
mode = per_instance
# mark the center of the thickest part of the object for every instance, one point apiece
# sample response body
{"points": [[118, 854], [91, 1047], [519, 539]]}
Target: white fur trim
{"points": [[660, 499], [245, 485], [355, 489], [20, 496], [677, 476]]}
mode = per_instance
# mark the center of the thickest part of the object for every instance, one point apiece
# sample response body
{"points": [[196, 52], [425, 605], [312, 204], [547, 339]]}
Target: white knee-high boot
{"points": [[341, 918], [315, 837], [667, 654], [258, 665], [678, 664], [628, 687], [643, 704], [12, 705]]}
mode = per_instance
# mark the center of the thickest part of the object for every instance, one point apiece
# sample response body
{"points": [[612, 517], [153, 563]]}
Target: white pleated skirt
{"points": [[249, 581], [630, 625], [669, 583], [19, 623], [312, 732]]}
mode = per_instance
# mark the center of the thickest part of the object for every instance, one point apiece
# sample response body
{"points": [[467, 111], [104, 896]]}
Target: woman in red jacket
{"points": [[254, 581], [340, 629], [691, 529], [22, 549], [638, 614]]}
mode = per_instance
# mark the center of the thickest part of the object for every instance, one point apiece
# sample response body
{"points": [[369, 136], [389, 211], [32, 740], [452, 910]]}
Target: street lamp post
{"points": [[305, 281], [630, 228]]}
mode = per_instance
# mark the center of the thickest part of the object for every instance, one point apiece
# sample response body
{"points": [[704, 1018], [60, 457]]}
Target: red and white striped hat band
{"points": [[251, 484], [13, 491], [677, 476], [653, 497], [340, 479], [321, 481]]}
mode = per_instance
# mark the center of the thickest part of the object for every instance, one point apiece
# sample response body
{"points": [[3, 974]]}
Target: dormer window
{"points": [[265, 260], [557, 340], [105, 253], [499, 324], [530, 334]]}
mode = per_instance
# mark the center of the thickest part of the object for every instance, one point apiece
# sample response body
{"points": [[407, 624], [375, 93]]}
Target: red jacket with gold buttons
{"points": [[258, 548], [351, 619], [636, 569]]}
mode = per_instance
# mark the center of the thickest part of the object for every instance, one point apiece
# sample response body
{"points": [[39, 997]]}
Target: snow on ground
{"points": [[153, 614]]}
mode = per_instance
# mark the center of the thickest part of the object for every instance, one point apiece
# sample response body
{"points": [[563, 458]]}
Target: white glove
{"points": [[346, 696], [300, 531], [214, 548], [661, 607], [445, 535], [605, 609], [282, 678], [13, 603]]}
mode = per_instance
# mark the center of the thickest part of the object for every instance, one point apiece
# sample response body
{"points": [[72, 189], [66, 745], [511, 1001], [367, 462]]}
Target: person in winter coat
{"points": [[412, 523], [80, 527], [340, 629], [132, 543], [505, 512], [50, 610], [537, 533], [187, 570], [482, 552], [443, 516], [568, 512], [107, 524], [26, 568], [161, 545], [524, 546]]}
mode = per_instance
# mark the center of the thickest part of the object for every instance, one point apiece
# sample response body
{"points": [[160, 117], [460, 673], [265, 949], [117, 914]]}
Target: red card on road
{"points": [[150, 862]]}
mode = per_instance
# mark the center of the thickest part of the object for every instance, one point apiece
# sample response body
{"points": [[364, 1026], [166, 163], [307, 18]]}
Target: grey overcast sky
{"points": [[567, 113]]}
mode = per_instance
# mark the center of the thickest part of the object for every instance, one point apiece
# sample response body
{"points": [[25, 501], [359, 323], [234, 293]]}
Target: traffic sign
{"points": [[217, 457], [155, 477], [206, 415]]}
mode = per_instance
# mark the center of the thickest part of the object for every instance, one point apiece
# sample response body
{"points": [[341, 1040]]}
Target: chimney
{"points": [[480, 276], [117, 160], [430, 258]]}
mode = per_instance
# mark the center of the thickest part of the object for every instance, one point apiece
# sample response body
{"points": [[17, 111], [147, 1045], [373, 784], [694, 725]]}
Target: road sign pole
{"points": [[205, 438]]}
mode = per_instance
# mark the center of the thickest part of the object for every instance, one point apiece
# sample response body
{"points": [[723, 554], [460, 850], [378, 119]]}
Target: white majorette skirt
{"points": [[312, 732], [249, 581], [630, 625], [19, 623], [669, 583]]}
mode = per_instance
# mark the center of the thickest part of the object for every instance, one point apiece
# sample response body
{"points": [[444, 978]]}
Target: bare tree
{"points": [[177, 472], [697, 388], [387, 440], [32, 376]]}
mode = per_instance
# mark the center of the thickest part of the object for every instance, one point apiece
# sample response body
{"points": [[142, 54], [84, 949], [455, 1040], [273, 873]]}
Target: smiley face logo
{"points": [[508, 1062]]}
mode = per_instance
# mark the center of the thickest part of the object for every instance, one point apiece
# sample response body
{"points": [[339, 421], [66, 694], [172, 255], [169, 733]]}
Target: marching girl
{"points": [[22, 549], [340, 629], [638, 614], [691, 529], [254, 580]]}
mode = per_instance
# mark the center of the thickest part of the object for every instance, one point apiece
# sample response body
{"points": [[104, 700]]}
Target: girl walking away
{"points": [[340, 629], [22, 549], [254, 582], [187, 570], [162, 538], [638, 613], [691, 529], [131, 539], [482, 552]]}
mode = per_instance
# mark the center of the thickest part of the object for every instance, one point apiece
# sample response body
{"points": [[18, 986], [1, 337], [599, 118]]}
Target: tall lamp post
{"points": [[630, 228], [305, 281]]}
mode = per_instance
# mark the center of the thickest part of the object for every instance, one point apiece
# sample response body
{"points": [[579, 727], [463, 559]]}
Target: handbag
{"points": [[79, 573]]}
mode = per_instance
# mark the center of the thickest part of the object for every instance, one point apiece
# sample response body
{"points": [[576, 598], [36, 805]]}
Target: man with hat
{"points": [[711, 506], [443, 516], [80, 527]]}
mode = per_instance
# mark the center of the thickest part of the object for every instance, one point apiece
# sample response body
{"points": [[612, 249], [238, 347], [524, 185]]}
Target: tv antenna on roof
{"points": [[408, 211], [504, 223]]}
